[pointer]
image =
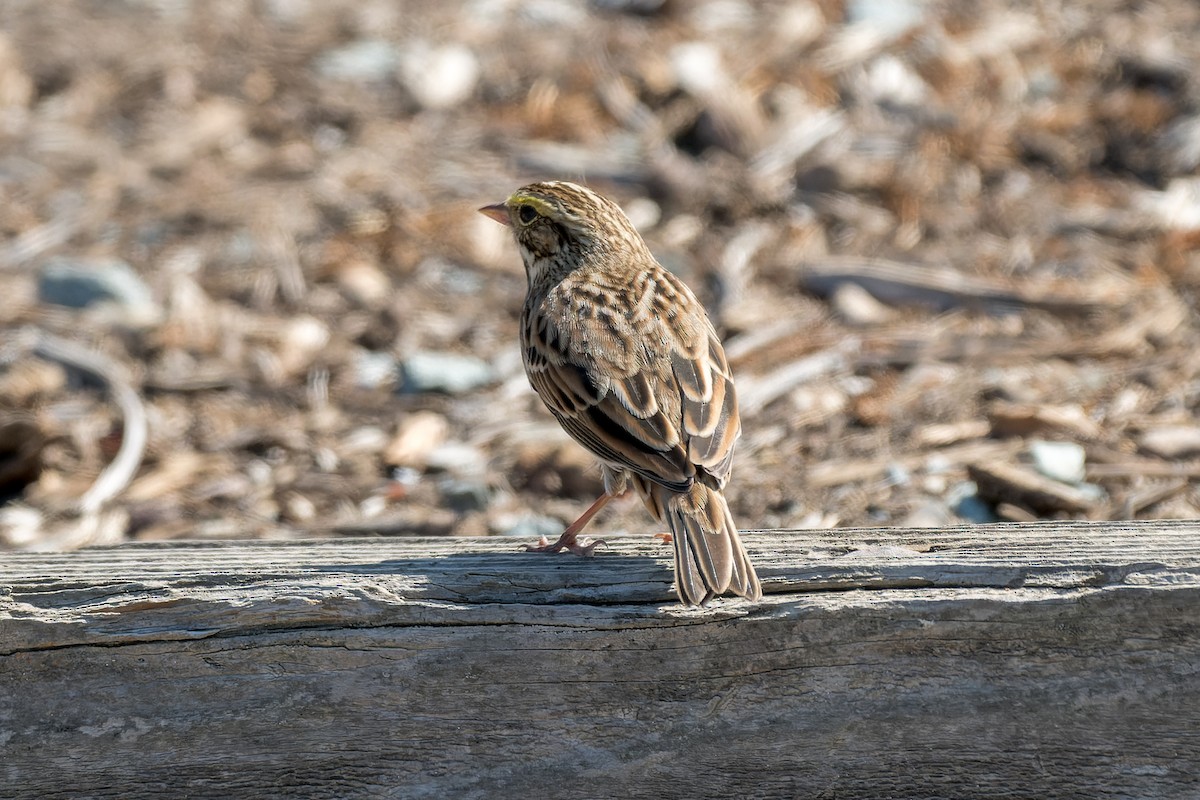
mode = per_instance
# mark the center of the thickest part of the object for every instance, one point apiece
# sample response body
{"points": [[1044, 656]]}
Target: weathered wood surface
{"points": [[1014, 661]]}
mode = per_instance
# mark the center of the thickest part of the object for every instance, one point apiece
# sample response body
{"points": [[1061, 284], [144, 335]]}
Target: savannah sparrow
{"points": [[625, 358]]}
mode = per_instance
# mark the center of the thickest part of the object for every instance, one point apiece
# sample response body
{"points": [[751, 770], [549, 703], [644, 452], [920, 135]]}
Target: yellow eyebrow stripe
{"points": [[541, 206]]}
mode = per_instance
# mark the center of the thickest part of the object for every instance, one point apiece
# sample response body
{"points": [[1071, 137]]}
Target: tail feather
{"points": [[709, 557]]}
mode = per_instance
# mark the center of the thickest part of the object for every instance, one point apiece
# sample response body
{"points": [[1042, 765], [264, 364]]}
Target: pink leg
{"points": [[568, 539]]}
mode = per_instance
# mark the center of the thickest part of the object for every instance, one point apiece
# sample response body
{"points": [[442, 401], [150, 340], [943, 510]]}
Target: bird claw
{"points": [[585, 548], [664, 537]]}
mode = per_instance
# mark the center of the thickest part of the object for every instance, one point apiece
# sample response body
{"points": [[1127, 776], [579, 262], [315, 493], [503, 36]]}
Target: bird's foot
{"points": [[664, 537], [567, 541]]}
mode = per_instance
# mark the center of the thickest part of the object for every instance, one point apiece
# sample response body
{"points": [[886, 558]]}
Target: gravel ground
{"points": [[951, 247]]}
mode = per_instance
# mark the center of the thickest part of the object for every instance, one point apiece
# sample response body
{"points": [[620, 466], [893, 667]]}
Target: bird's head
{"points": [[559, 226]]}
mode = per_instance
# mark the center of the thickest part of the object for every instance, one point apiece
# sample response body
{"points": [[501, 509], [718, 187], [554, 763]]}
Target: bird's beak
{"points": [[498, 212]]}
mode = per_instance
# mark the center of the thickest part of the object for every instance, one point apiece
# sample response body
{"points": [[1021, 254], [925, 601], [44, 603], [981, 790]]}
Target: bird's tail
{"points": [[709, 556]]}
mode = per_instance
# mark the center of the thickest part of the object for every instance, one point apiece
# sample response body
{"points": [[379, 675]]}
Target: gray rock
{"points": [[898, 475], [1093, 492], [364, 60], [464, 495], [963, 498], [83, 282], [443, 372], [889, 18], [1060, 461], [372, 369]]}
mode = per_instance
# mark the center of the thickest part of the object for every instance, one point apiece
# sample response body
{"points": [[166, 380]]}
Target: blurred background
{"points": [[951, 247]]}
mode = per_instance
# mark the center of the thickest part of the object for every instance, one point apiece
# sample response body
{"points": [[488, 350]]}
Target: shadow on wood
{"points": [[1047, 660]]}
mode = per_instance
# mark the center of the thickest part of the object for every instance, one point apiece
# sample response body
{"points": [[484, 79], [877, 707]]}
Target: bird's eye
{"points": [[526, 214]]}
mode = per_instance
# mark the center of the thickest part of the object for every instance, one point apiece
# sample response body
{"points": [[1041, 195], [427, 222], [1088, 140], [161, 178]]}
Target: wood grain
{"points": [[1037, 660]]}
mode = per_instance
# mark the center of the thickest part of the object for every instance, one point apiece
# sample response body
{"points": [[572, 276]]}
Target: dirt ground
{"points": [[951, 247]]}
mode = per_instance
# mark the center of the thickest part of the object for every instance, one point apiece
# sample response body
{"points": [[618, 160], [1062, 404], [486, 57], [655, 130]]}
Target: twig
{"points": [[120, 472], [906, 284], [756, 392], [45, 237], [836, 473]]}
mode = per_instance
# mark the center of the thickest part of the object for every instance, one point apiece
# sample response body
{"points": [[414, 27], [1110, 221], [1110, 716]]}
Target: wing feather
{"points": [[662, 408]]}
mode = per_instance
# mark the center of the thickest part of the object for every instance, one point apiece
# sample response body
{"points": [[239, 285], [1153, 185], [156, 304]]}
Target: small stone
{"points": [[325, 459], [418, 436], [464, 495], [887, 18], [372, 506], [298, 508], [934, 484], [1172, 441], [974, 509], [448, 373], [698, 68], [80, 283], [372, 369], [365, 283], [889, 81], [20, 526], [365, 439], [938, 464], [365, 60], [898, 475], [439, 77], [963, 498], [456, 458], [1060, 461], [857, 306], [304, 338], [1178, 206]]}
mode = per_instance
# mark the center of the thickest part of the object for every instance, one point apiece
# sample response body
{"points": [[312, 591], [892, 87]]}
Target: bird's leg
{"points": [[568, 540]]}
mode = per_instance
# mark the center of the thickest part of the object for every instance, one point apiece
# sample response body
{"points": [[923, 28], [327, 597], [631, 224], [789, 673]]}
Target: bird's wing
{"points": [[708, 401], [616, 418], [642, 385]]}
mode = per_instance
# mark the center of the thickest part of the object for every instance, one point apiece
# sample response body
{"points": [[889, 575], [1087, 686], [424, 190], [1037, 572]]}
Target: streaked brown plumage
{"points": [[625, 358]]}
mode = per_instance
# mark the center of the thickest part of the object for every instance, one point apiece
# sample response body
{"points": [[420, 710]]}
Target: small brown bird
{"points": [[625, 358]]}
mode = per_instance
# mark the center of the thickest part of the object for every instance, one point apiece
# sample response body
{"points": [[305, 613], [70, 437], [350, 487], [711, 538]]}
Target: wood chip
{"points": [[949, 433], [1172, 441], [1000, 482], [1026, 419]]}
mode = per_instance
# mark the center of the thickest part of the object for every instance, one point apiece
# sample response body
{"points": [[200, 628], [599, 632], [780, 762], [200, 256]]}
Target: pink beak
{"points": [[498, 212]]}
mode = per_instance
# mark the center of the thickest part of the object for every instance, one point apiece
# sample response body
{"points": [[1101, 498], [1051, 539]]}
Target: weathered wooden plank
{"points": [[1047, 660]]}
